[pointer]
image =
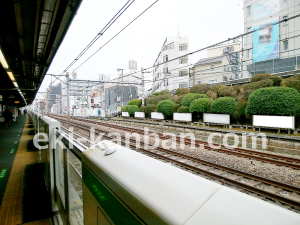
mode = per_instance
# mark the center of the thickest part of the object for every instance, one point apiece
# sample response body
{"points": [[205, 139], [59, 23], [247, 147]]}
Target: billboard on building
{"points": [[265, 8], [266, 40], [118, 98]]}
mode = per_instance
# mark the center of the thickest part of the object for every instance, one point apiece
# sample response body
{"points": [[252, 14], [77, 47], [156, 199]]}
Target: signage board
{"points": [[139, 114], [216, 118], [125, 114], [287, 122], [187, 117], [265, 8], [157, 116], [266, 40]]}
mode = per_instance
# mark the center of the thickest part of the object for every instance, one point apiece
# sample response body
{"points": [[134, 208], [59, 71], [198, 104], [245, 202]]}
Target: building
{"points": [[223, 64], [113, 97], [171, 74], [274, 45]]}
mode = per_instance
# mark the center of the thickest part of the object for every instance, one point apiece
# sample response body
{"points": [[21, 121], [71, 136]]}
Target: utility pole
{"points": [[121, 86], [242, 56], [143, 85], [68, 99]]}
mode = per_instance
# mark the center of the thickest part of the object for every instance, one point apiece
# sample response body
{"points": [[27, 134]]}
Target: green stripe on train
{"points": [[3, 172], [117, 211]]}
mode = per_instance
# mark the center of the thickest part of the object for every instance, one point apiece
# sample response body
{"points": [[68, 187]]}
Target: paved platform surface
{"points": [[14, 157]]}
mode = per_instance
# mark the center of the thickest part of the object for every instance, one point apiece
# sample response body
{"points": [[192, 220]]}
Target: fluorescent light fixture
{"points": [[17, 102], [11, 76], [16, 84], [3, 61]]}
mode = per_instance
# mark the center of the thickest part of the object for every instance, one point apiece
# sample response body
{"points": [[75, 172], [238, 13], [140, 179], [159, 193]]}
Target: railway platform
{"points": [[23, 194]]}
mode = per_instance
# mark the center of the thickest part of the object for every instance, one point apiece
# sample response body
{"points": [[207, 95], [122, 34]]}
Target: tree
{"points": [[165, 107]]}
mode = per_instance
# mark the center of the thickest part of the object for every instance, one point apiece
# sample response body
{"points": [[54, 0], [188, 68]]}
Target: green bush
{"points": [[189, 98], [212, 95], [240, 110], [164, 92], [133, 102], [165, 107], [201, 88], [183, 109], [276, 80], [139, 102], [156, 93], [156, 99], [282, 101], [182, 91], [258, 84], [125, 108], [175, 108], [132, 109], [227, 91], [293, 84], [178, 99], [259, 77], [199, 105], [149, 109], [224, 105], [209, 106], [142, 108]]}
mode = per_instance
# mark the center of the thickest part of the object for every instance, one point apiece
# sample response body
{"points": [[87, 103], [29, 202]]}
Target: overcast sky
{"points": [[203, 22]]}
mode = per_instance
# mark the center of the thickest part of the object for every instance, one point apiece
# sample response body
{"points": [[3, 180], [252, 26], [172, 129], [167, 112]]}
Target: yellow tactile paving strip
{"points": [[12, 204]]}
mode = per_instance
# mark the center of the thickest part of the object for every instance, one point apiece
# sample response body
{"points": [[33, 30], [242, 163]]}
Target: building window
{"points": [[183, 47], [284, 18], [285, 45], [212, 67], [248, 53], [165, 58], [228, 49], [166, 82], [212, 81], [183, 73], [183, 84], [183, 60], [249, 10], [249, 30], [199, 81], [166, 70]]}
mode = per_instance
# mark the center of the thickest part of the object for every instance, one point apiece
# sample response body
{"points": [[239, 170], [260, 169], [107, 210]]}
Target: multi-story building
{"points": [[114, 100], [274, 45], [223, 63], [171, 74]]}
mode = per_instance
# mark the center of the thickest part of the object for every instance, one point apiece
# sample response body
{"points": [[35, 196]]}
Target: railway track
{"points": [[245, 153], [266, 188]]}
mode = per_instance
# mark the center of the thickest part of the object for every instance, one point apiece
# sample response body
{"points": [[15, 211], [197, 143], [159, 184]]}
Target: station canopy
{"points": [[31, 32]]}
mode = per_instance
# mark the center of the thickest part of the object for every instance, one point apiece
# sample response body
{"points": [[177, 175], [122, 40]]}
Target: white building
{"points": [[274, 47], [171, 74]]}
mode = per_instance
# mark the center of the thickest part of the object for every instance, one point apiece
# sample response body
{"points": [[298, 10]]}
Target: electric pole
{"points": [[143, 85], [68, 99], [121, 87]]}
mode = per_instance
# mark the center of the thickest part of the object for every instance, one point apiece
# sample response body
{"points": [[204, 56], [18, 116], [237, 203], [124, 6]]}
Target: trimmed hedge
{"points": [[189, 98], [258, 84], [132, 109], [175, 108], [142, 108], [240, 110], [261, 76], [165, 107], [227, 91], [156, 99], [183, 109], [201, 88], [282, 101], [212, 95], [156, 93], [139, 102], [178, 99], [199, 105], [164, 92], [293, 84], [182, 91], [124, 108], [224, 105], [276, 80], [133, 102]]}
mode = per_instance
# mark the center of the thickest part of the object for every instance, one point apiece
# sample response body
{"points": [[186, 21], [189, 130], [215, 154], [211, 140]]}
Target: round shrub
{"points": [[142, 108], [276, 80], [175, 108], [133, 102], [227, 91], [156, 93], [165, 107], [132, 109], [181, 91], [282, 101], [261, 76], [223, 105], [199, 105], [258, 84], [240, 110], [125, 108], [156, 99], [189, 98], [212, 95], [163, 92], [150, 108], [178, 99], [139, 102], [183, 109], [293, 84], [200, 88]]}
